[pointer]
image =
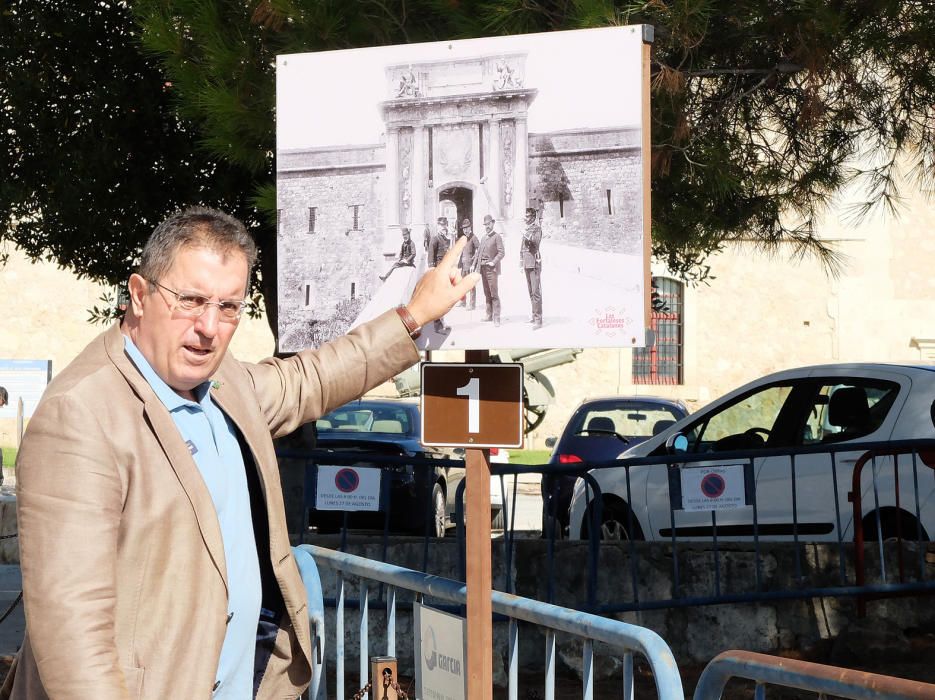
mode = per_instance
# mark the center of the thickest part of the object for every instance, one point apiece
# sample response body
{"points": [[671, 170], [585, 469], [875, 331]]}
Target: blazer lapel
{"points": [[175, 450]]}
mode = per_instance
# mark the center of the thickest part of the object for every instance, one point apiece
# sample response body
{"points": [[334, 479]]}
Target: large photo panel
{"points": [[532, 146]]}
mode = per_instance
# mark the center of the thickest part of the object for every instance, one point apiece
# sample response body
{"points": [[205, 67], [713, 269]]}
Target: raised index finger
{"points": [[454, 253]]}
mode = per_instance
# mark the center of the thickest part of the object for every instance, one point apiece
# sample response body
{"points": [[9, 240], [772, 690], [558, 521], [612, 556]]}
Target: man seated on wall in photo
{"points": [[153, 543], [407, 255]]}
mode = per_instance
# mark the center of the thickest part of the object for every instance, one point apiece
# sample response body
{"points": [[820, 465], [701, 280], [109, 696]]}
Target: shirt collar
{"points": [[166, 394]]}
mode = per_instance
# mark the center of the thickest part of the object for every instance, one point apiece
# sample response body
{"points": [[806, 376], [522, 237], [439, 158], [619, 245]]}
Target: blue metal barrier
{"points": [[318, 690], [839, 581], [827, 681], [854, 583], [626, 638]]}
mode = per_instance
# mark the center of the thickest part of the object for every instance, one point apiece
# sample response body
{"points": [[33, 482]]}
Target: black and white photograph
{"points": [[529, 146]]}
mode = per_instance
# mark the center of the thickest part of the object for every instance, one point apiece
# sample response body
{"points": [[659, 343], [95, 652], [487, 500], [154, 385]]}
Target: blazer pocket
{"points": [[134, 678]]}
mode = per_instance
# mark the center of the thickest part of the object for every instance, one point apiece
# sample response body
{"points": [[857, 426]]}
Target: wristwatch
{"points": [[413, 328]]}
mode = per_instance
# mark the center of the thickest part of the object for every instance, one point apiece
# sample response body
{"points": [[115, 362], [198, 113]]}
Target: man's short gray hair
{"points": [[195, 227]]}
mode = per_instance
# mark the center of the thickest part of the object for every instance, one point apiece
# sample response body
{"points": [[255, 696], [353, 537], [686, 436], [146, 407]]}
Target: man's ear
{"points": [[138, 288]]}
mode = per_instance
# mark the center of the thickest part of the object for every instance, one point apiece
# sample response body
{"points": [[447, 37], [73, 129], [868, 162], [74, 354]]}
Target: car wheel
{"points": [[614, 523], [438, 510], [908, 526], [613, 530]]}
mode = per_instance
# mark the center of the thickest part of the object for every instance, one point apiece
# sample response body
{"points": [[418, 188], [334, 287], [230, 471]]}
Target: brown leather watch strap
{"points": [[409, 322]]}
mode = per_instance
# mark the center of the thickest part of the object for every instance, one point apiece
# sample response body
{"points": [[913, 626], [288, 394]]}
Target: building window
{"points": [[662, 363], [308, 295], [610, 208], [312, 213], [355, 216], [353, 290], [561, 206]]}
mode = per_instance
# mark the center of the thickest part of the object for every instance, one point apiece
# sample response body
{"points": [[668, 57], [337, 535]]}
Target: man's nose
{"points": [[207, 323]]}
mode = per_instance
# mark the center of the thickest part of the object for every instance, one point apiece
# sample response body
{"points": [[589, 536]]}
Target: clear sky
{"points": [[585, 78]]}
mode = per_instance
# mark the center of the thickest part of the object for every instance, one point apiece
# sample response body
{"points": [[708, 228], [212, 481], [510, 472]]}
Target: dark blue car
{"points": [[415, 496], [598, 431]]}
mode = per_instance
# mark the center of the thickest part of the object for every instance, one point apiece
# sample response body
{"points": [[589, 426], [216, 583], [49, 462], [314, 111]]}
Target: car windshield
{"points": [[367, 418], [636, 420]]}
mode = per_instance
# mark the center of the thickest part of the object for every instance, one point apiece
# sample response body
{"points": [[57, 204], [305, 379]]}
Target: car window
{"points": [[745, 424], [642, 420], [849, 409], [367, 419]]}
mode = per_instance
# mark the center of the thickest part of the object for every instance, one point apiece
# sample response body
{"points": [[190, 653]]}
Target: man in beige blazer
{"points": [[133, 583]]}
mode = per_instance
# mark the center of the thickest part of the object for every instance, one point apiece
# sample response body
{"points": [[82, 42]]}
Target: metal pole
{"points": [[479, 570]]}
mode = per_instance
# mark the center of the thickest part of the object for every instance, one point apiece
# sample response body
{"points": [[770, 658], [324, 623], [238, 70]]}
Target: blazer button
{"points": [[229, 616]]}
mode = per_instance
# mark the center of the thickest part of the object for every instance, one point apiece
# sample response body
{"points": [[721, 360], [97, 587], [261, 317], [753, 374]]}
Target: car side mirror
{"points": [[676, 444], [550, 441]]}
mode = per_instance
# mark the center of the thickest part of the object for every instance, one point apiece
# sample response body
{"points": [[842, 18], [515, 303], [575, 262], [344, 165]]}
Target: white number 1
{"points": [[472, 391]]}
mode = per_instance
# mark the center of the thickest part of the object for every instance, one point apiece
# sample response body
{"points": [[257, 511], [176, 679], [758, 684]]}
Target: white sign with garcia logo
{"points": [[440, 644]]}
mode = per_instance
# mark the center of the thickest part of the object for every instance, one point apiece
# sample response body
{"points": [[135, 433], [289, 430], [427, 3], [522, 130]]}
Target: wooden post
{"points": [[479, 570]]}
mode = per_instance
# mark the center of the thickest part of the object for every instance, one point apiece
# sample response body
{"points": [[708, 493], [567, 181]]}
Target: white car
{"points": [[800, 412]]}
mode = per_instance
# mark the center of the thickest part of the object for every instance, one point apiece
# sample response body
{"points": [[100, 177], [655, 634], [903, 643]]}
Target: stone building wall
{"points": [[588, 186], [336, 262]]}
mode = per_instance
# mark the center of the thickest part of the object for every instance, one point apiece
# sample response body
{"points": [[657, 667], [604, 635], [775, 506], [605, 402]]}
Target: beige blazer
{"points": [[124, 578]]}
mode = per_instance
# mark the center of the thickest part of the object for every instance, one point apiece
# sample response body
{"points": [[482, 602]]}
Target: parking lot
{"points": [[528, 518]]}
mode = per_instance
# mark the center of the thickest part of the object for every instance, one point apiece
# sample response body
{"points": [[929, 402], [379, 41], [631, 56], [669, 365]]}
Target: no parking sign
{"points": [[713, 488], [348, 488]]}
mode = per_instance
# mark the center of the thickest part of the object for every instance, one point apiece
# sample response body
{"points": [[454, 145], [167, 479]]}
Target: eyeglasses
{"points": [[195, 305]]}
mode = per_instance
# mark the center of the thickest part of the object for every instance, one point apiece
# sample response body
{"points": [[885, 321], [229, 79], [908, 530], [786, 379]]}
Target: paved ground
{"points": [[528, 517], [606, 287]]}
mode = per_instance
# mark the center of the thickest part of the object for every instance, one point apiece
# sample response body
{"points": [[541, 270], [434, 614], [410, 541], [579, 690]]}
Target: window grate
{"points": [[662, 363], [312, 215]]}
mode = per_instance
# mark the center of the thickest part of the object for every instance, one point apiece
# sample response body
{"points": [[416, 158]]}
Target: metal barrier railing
{"points": [[626, 638], [848, 576], [856, 582], [897, 525], [827, 681]]}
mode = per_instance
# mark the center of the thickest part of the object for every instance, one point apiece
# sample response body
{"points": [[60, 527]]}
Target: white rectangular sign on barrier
{"points": [[347, 488], [713, 488]]}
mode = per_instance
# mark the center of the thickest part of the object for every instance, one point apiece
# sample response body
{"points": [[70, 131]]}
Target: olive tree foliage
{"points": [[762, 110], [93, 152], [115, 113]]}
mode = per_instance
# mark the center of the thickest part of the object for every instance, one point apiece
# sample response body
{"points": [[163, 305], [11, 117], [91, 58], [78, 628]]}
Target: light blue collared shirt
{"points": [[212, 440]]}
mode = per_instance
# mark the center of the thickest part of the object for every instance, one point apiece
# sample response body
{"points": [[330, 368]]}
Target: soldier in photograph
{"points": [[531, 262], [438, 246], [469, 261], [407, 255], [489, 255]]}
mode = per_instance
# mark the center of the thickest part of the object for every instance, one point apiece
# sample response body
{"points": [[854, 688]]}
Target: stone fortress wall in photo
{"points": [[457, 145]]}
